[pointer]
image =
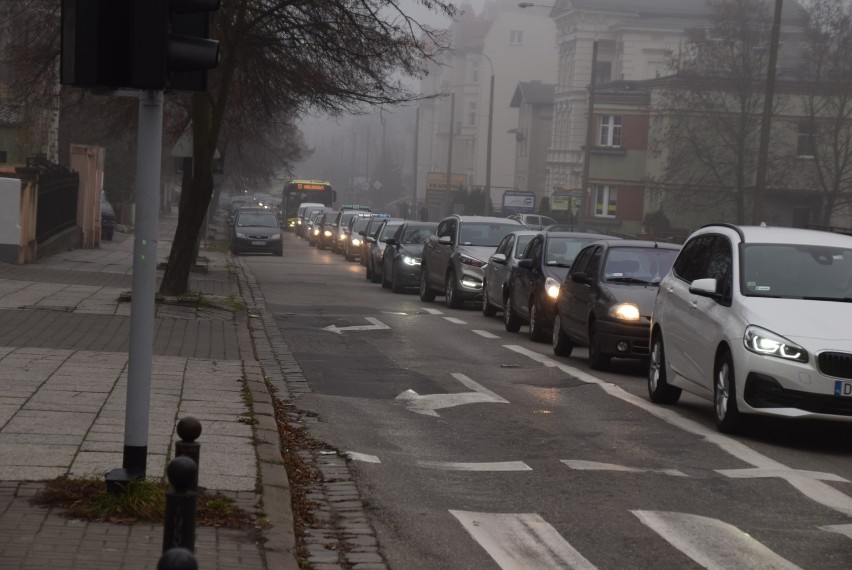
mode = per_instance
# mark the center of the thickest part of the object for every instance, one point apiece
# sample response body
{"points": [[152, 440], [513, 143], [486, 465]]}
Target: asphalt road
{"points": [[477, 448]]}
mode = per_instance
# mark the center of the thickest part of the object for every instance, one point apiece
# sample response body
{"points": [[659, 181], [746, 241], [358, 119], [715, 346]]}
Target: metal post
{"points": [[188, 430], [450, 152], [590, 123], [766, 120], [416, 174], [142, 307], [490, 132], [179, 523]]}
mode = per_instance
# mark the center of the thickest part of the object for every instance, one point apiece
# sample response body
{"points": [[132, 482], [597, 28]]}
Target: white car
{"points": [[757, 320]]}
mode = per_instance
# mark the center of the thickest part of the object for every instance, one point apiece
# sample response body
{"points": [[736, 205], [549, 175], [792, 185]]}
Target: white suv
{"points": [[757, 320]]}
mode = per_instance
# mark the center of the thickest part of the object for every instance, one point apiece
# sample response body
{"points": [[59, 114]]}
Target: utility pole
{"points": [[450, 150], [766, 120], [415, 171], [490, 132], [590, 126]]}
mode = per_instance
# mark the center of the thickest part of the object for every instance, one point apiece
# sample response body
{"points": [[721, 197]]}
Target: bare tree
{"points": [[712, 108], [825, 135], [294, 55]]}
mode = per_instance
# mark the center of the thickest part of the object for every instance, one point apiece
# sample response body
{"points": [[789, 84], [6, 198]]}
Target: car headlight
{"points": [[762, 341], [275, 236], [327, 233], [241, 235], [356, 242], [625, 312], [468, 260], [551, 287], [316, 232], [341, 237], [410, 260]]}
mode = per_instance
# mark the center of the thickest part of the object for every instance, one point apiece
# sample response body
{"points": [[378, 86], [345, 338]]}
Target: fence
{"points": [[57, 197]]}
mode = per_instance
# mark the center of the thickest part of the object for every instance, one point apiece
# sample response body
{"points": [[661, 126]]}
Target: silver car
{"points": [[455, 257], [500, 267]]}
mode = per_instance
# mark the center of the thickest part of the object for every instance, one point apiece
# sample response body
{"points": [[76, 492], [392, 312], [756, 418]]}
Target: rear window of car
{"points": [[487, 234], [257, 220]]}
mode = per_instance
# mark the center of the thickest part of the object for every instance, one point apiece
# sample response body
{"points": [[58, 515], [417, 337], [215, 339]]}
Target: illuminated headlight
{"points": [[551, 286], [761, 341], [341, 237], [327, 233], [410, 260], [292, 223], [275, 236], [299, 222], [468, 260], [240, 235], [316, 232], [356, 242], [625, 312]]}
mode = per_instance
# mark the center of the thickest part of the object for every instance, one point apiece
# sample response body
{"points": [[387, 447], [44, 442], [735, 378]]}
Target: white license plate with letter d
{"points": [[843, 389]]}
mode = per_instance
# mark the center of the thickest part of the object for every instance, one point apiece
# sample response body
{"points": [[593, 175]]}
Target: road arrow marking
{"points": [[521, 541], [427, 404], [712, 543], [376, 326], [497, 466], [580, 465]]}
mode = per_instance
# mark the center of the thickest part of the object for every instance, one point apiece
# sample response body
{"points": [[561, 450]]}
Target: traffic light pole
{"points": [[142, 306]]}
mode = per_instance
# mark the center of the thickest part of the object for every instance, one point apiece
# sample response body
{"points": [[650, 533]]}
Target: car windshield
{"points": [[797, 272], [561, 251], [416, 235], [523, 242], [257, 220], [389, 230], [484, 234], [640, 265]]}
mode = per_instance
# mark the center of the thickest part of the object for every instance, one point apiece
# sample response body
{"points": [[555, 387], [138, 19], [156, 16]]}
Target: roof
{"points": [[792, 11], [533, 93], [781, 235], [485, 219]]}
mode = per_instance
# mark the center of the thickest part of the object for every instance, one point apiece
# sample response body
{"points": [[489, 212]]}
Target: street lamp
{"points": [[490, 130]]}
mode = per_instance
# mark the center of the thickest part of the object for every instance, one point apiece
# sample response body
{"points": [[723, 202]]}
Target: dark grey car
{"points": [[256, 232], [403, 251]]}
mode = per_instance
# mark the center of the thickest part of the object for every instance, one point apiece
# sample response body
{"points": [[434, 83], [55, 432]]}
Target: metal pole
{"points": [[450, 150], [490, 132], [415, 177], [766, 120], [142, 306], [590, 122]]}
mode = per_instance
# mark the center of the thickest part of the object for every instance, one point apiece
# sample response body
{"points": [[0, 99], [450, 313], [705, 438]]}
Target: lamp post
{"points": [[490, 130]]}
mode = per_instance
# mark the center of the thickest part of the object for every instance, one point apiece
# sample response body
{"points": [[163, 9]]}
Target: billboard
{"points": [[436, 186], [518, 202]]}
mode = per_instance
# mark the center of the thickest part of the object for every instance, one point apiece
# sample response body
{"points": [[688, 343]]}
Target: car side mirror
{"points": [[370, 239], [704, 287], [445, 240], [581, 278], [525, 264], [499, 258], [391, 241]]}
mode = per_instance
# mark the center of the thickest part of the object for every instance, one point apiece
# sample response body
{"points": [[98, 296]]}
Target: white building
{"points": [[512, 44]]}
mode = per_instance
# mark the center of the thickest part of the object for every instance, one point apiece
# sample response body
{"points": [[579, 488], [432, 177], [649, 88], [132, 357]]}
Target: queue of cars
{"points": [[753, 319]]}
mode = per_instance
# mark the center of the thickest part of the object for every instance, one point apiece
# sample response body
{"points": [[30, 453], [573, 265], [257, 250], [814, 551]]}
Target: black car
{"points": [[327, 230], [606, 300], [371, 231], [533, 286], [403, 251], [255, 231], [108, 220]]}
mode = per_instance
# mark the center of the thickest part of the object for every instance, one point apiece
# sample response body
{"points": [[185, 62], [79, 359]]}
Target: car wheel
{"points": [[562, 345], [597, 361], [537, 334], [487, 308], [659, 390], [728, 417], [454, 300], [386, 284], [374, 276], [426, 293], [396, 282], [510, 319]]}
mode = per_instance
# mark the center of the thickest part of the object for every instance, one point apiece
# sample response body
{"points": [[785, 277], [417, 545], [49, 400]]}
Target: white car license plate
{"points": [[843, 388], [258, 243]]}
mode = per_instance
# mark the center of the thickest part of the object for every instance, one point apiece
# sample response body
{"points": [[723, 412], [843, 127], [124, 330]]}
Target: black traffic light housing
{"points": [[141, 44]]}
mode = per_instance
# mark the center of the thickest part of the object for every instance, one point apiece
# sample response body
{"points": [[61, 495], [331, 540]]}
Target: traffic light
{"points": [[141, 44]]}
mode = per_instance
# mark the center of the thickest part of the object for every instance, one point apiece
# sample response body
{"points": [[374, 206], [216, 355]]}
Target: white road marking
{"points": [[427, 404], [363, 457], [377, 325], [433, 311], [712, 543], [844, 529], [581, 465], [496, 466], [521, 541], [455, 321], [812, 488], [485, 334]]}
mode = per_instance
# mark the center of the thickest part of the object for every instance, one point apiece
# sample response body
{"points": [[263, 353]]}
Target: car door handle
{"points": [[669, 289]]}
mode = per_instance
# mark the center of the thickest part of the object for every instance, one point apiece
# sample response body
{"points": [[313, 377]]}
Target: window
{"points": [[605, 200], [610, 130], [505, 246], [603, 71], [805, 143], [2, 156], [474, 72], [691, 263], [471, 114], [516, 37]]}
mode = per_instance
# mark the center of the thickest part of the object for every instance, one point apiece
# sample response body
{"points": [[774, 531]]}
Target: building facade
{"points": [[534, 101]]}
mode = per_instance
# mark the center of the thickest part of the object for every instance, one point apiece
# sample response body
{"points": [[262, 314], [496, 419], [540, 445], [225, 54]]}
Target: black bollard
{"points": [[177, 559], [188, 430], [179, 525]]}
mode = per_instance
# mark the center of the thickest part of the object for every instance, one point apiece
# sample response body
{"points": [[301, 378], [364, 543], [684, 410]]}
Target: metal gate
{"points": [[57, 197]]}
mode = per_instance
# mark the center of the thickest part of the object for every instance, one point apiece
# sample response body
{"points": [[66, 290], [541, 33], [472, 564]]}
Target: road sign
{"points": [[518, 202]]}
